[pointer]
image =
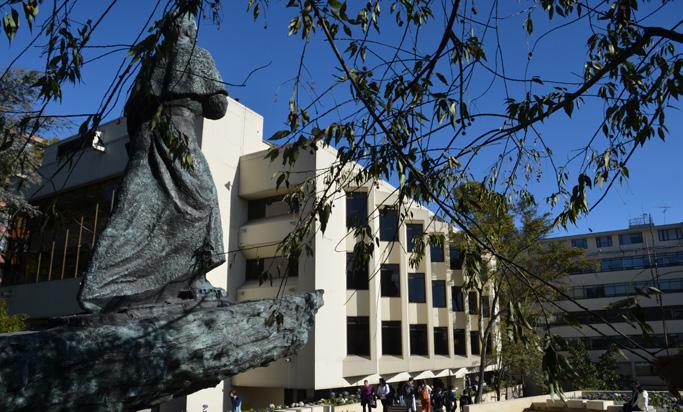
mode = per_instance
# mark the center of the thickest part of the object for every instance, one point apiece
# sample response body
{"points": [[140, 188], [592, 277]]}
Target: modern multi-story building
{"points": [[385, 318], [629, 261]]}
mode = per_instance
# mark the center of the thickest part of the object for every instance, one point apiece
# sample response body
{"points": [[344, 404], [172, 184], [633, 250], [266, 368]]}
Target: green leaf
{"points": [[529, 24], [279, 134]]}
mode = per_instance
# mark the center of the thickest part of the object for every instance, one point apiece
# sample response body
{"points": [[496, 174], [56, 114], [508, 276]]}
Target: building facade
{"points": [[629, 261], [385, 318]]}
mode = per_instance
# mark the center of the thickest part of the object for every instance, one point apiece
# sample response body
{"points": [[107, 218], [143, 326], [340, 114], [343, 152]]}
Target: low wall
{"points": [[513, 405]]}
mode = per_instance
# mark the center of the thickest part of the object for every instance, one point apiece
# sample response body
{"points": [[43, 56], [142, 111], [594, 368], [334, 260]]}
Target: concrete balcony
{"points": [[257, 237], [358, 366], [257, 175]]}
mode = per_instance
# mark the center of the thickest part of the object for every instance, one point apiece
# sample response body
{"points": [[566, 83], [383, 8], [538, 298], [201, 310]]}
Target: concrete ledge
{"points": [[555, 403], [614, 408], [598, 405], [576, 403]]}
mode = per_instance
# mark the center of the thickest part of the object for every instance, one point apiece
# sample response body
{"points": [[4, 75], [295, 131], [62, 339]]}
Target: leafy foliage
{"points": [[587, 374], [9, 323]]}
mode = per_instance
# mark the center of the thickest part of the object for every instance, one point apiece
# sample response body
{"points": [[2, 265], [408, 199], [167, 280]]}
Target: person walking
{"points": [[367, 396], [236, 401], [449, 400], [383, 392], [408, 394], [639, 399], [425, 397]]}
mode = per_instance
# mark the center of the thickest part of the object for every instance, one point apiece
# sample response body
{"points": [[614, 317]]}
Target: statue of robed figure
{"points": [[165, 231]]}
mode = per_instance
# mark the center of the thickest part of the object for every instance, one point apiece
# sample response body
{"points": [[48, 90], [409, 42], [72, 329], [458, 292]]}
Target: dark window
{"points": [[439, 293], [391, 338], [418, 340], [485, 307], [472, 302], [474, 342], [388, 224], [413, 231], [441, 340], [456, 297], [390, 281], [489, 345], [356, 209], [456, 258], [416, 288], [597, 291], [580, 243], [357, 276], [459, 343], [264, 269], [436, 252], [670, 234], [631, 238], [270, 207], [358, 335], [603, 241]]}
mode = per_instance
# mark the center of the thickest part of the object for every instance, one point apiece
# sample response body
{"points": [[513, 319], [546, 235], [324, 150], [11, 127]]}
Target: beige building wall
{"points": [[324, 363]]}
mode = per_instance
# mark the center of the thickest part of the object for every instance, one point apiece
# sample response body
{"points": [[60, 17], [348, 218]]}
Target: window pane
{"points": [[356, 209], [485, 309], [457, 298], [441, 340], [391, 338], [580, 243], [436, 252], [472, 302], [388, 224], [603, 241], [670, 234], [264, 269], [459, 344], [416, 288], [418, 340], [356, 274], [413, 231], [439, 293], [631, 238], [390, 281], [269, 207], [474, 342], [358, 335], [456, 258]]}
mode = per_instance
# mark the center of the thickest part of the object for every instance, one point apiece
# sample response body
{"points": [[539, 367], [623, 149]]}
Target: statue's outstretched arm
{"points": [[215, 106]]}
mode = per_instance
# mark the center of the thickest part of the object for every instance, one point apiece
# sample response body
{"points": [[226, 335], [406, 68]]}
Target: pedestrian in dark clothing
{"points": [[367, 396]]}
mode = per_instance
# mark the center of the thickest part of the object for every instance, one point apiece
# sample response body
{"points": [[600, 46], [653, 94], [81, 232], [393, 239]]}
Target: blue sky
{"points": [[240, 45]]}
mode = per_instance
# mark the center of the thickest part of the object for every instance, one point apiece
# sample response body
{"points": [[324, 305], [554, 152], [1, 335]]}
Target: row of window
{"points": [[358, 339], [675, 340], [649, 314], [629, 238], [637, 262], [623, 289], [390, 287]]}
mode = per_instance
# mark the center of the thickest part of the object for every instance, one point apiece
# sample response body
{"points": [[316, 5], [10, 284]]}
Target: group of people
{"points": [[412, 395]]}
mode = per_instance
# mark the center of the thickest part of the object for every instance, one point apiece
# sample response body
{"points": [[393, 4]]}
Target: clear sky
{"points": [[240, 45]]}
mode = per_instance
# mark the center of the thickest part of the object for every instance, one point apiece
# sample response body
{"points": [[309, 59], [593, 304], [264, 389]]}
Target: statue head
{"points": [[184, 27]]}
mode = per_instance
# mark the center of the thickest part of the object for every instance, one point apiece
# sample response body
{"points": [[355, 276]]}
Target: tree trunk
{"points": [[147, 355]]}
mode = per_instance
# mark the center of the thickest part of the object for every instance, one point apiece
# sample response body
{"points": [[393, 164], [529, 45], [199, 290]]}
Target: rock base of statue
{"points": [[147, 355]]}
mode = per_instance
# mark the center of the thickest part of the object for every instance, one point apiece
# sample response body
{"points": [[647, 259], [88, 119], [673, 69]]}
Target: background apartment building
{"points": [[641, 256], [386, 318]]}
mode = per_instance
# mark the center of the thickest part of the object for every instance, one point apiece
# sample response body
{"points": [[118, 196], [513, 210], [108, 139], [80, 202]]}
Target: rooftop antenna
{"points": [[664, 209]]}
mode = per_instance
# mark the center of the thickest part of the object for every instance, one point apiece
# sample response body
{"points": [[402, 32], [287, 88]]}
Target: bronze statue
{"points": [[165, 232]]}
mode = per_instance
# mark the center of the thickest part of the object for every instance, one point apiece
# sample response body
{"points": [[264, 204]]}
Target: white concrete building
{"points": [[387, 319], [641, 256]]}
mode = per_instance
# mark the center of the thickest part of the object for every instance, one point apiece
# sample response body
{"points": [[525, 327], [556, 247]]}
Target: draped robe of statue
{"points": [[165, 231]]}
